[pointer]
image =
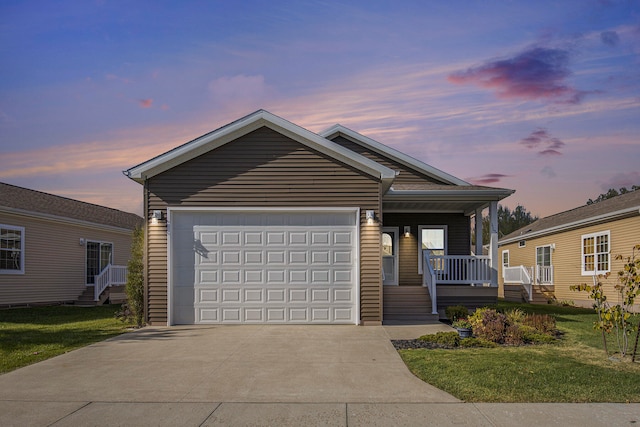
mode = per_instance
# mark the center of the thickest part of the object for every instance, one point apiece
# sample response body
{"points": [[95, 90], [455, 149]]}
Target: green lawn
{"points": [[29, 335], [574, 370]]}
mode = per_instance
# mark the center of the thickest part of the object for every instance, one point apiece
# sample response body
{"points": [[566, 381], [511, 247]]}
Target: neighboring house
{"points": [[52, 248], [542, 260], [263, 221]]}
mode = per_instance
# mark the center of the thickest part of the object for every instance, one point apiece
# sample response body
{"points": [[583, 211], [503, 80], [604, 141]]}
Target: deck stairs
{"points": [[407, 304], [86, 298]]}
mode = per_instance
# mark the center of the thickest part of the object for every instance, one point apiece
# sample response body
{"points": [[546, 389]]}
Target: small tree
{"points": [[135, 279], [616, 317]]}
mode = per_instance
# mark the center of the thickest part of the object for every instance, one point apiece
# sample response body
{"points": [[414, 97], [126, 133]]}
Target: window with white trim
{"points": [[543, 256], [434, 238], [11, 249], [505, 258], [595, 253]]}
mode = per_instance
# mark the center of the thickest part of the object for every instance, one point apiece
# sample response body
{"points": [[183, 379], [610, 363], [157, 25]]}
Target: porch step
{"points": [[86, 298], [407, 303]]}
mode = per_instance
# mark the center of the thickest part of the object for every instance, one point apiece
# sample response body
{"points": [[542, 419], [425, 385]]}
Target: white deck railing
{"points": [[544, 274], [110, 276], [461, 269], [429, 281], [519, 275]]}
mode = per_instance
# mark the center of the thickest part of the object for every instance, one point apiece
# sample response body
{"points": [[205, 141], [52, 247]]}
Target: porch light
{"points": [[407, 230], [370, 216], [156, 216]]}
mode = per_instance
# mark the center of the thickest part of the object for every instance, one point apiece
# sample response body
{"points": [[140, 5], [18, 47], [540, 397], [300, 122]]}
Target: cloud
{"points": [[537, 73], [610, 38], [548, 172], [490, 178], [145, 103], [542, 140]]}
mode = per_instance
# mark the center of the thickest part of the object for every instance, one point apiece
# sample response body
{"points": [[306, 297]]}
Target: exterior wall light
{"points": [[370, 216], [407, 230], [156, 216]]}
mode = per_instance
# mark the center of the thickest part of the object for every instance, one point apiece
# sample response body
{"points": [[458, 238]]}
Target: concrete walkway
{"points": [[257, 375]]}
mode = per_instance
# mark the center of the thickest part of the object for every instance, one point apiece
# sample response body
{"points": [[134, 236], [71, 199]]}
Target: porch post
{"points": [[478, 232], [493, 251]]}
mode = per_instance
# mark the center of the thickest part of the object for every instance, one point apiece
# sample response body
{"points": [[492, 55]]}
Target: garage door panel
{"points": [[264, 268]]}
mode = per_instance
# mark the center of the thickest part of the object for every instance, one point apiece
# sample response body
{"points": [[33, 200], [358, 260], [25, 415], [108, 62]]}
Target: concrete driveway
{"points": [[293, 364]]}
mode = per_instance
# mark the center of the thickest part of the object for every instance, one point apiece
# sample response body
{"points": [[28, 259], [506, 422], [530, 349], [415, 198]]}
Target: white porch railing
{"points": [[544, 274], [461, 269], [429, 281], [453, 269], [109, 276], [520, 275]]}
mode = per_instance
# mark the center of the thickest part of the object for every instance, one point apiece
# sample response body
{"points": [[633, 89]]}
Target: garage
{"points": [[276, 266]]}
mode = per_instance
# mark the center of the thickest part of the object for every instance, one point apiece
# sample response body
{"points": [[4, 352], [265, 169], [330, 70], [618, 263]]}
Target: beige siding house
{"points": [[541, 261], [263, 221], [52, 248]]}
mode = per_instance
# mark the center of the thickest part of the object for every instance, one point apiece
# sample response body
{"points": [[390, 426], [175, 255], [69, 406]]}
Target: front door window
{"points": [[390, 256]]}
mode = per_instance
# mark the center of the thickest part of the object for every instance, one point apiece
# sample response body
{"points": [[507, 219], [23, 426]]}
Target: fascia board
{"points": [[575, 224], [459, 194], [248, 124], [391, 153]]}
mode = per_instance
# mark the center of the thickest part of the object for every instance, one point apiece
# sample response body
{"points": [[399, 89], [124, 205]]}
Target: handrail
{"points": [[111, 275], [429, 280], [458, 269], [544, 274]]}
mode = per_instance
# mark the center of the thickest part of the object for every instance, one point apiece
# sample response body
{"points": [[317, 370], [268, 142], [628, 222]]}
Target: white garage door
{"points": [[263, 267]]}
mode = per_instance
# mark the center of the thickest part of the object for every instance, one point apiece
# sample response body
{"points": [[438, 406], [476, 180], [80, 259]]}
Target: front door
{"points": [[390, 256]]}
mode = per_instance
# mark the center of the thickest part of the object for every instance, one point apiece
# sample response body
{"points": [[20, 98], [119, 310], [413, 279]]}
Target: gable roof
{"points": [[618, 207], [391, 153], [19, 200], [247, 124]]}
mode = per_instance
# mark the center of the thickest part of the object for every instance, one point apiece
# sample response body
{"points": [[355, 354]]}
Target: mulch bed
{"points": [[413, 344]]}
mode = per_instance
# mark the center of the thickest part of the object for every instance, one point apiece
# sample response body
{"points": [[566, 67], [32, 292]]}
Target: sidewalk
{"points": [[30, 413]]}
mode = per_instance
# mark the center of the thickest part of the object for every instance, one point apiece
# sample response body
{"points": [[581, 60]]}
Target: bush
{"points": [[455, 312], [514, 335], [542, 323], [492, 326], [476, 343], [134, 308], [448, 339]]}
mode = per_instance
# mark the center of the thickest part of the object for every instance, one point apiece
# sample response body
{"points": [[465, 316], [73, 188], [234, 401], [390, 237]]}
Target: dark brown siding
{"points": [[458, 239], [265, 168], [406, 176]]}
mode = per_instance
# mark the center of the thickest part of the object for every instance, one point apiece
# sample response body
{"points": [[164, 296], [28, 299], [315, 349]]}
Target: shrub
{"points": [[514, 335], [537, 338], [134, 308], [455, 312], [448, 339], [477, 342], [515, 316], [491, 327], [461, 323], [542, 323]]}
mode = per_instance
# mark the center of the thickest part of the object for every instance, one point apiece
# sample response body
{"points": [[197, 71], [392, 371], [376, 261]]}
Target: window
{"points": [[595, 253], [433, 238], [99, 255], [543, 256], [505, 258], [522, 243], [11, 249]]}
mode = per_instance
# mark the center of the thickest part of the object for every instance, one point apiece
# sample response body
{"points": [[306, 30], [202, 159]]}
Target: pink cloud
{"points": [[145, 103], [536, 73], [542, 138], [550, 153], [490, 178], [620, 180]]}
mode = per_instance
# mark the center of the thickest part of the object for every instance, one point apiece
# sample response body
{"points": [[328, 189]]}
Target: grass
{"points": [[574, 370], [29, 335]]}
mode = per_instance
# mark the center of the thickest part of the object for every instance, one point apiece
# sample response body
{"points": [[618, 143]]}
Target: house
{"points": [[53, 249], [542, 260], [263, 221]]}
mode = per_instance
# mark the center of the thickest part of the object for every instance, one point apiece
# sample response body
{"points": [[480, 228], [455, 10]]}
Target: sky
{"points": [[542, 97]]}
